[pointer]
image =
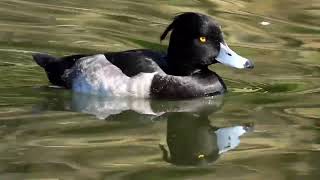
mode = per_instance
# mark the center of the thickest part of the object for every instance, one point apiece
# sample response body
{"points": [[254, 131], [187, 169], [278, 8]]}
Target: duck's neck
{"points": [[179, 69]]}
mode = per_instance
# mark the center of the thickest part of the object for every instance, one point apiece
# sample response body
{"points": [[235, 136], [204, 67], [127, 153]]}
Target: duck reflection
{"points": [[107, 107], [190, 137], [104, 107], [193, 141]]}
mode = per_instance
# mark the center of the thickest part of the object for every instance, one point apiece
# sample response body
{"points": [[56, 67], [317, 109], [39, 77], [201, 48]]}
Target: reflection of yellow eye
{"points": [[203, 39]]}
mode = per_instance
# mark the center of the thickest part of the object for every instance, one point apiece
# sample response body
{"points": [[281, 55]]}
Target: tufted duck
{"points": [[196, 41]]}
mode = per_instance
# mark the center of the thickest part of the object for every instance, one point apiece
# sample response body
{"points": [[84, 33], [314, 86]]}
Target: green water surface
{"points": [[49, 133]]}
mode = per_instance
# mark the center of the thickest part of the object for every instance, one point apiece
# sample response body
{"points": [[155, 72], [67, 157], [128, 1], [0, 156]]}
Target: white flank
{"points": [[96, 75], [140, 85]]}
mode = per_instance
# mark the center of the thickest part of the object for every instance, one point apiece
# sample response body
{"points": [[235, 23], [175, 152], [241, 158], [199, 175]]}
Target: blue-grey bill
{"points": [[228, 57]]}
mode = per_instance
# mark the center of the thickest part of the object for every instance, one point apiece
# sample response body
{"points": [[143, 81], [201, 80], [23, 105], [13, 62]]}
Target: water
{"points": [[49, 133]]}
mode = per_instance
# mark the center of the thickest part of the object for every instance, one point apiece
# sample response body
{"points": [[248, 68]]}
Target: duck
{"points": [[196, 42]]}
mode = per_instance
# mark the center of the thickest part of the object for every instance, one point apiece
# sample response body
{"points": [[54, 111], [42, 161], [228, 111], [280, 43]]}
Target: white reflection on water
{"points": [[228, 138], [103, 107]]}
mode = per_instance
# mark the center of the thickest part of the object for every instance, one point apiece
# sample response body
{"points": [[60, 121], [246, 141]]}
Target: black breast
{"points": [[203, 83]]}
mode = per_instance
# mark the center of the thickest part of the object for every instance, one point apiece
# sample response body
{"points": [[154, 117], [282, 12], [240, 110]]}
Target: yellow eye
{"points": [[202, 39]]}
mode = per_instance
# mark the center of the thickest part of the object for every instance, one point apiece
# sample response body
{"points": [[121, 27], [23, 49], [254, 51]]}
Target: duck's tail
{"points": [[44, 60], [54, 67]]}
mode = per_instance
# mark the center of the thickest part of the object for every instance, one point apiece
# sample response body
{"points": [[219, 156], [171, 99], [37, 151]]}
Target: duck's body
{"points": [[182, 73], [144, 77]]}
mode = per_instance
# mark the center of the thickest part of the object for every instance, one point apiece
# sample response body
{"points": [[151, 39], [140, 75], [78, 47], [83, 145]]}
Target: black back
{"points": [[134, 62]]}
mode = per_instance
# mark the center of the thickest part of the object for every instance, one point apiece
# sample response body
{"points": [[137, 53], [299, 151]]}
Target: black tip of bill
{"points": [[249, 65]]}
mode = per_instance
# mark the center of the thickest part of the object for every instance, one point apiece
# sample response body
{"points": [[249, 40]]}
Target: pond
{"points": [[266, 127]]}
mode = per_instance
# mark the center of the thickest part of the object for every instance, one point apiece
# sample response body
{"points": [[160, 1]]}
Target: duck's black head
{"points": [[196, 42]]}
